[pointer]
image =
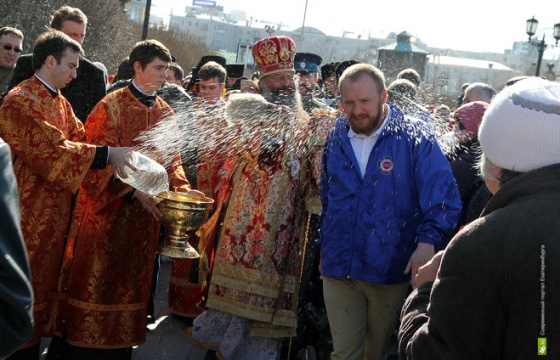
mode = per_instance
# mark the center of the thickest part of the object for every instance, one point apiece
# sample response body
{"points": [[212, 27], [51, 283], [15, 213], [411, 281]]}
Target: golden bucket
{"points": [[182, 213]]}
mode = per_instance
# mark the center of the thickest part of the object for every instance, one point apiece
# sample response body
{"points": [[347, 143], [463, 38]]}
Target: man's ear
{"points": [[50, 62], [137, 67], [384, 96]]}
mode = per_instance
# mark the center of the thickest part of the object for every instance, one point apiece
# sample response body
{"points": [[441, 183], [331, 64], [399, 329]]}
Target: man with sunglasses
{"points": [[11, 40], [89, 86]]}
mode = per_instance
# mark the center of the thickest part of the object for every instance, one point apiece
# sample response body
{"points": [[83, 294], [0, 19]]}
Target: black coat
{"points": [[496, 292], [82, 93], [16, 295], [464, 167]]}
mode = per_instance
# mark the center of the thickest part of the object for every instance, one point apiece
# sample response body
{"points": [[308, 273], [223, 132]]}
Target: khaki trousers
{"points": [[362, 317]]}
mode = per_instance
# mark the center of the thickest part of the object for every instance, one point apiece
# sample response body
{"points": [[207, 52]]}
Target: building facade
{"points": [[442, 69]]}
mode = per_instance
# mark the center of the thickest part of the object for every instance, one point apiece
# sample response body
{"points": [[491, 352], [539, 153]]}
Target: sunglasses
{"points": [[10, 47]]}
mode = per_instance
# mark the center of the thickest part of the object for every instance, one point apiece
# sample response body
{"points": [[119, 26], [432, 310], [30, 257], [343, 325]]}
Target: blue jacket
{"points": [[370, 226]]}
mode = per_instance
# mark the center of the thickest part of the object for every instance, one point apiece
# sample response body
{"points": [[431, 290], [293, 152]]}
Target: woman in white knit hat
{"points": [[496, 294]]}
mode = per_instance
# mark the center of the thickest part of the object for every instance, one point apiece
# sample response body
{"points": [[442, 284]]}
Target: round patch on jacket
{"points": [[385, 165]]}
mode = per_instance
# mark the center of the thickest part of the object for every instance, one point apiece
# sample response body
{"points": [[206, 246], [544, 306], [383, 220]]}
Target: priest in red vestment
{"points": [[50, 162], [253, 288]]}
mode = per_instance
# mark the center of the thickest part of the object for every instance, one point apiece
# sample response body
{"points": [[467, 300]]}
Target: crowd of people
{"points": [[347, 213]]}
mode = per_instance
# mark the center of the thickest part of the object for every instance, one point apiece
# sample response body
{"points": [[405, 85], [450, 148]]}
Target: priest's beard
{"points": [[292, 100]]}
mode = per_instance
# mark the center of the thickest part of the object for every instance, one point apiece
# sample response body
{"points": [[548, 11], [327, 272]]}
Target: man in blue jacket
{"points": [[389, 198]]}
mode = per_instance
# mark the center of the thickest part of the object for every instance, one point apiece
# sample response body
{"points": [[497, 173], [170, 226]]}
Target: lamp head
{"points": [[531, 27], [557, 32]]}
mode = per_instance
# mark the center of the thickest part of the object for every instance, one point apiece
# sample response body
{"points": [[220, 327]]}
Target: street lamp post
{"points": [[146, 19], [303, 24], [531, 30]]}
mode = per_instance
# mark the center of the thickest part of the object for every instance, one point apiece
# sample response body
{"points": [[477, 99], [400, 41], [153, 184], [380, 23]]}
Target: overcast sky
{"points": [[472, 25]]}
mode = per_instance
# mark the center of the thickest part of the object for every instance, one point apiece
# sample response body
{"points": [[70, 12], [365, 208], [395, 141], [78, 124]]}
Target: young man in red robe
{"points": [[205, 142], [50, 162], [107, 267]]}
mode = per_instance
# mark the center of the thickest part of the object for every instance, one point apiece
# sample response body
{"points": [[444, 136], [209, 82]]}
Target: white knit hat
{"points": [[520, 130]]}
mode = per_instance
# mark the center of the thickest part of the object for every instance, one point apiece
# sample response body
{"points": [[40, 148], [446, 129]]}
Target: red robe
{"points": [[185, 296], [50, 163], [108, 263]]}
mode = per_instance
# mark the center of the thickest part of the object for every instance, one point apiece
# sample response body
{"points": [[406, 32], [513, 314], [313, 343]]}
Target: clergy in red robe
{"points": [[107, 267], [204, 142], [50, 162]]}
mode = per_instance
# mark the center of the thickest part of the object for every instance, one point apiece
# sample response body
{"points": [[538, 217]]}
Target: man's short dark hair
{"points": [[124, 71], [211, 70], [355, 71], [410, 75], [10, 30], [55, 43], [66, 13], [178, 73], [146, 51]]}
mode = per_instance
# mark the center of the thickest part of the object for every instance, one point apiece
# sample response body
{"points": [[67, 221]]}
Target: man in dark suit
{"points": [[89, 87], [16, 295]]}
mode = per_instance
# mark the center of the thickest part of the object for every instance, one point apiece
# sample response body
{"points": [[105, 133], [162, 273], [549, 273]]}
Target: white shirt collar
{"points": [[44, 83], [152, 94]]}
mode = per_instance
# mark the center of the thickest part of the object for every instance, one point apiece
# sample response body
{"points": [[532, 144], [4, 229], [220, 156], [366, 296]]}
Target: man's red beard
{"points": [[372, 123]]}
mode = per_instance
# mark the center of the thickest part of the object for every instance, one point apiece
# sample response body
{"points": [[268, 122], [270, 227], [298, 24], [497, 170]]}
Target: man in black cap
{"points": [[341, 66], [330, 85], [192, 86], [307, 69], [234, 72]]}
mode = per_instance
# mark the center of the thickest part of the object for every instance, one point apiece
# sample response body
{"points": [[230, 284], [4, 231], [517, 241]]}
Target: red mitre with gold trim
{"points": [[274, 54]]}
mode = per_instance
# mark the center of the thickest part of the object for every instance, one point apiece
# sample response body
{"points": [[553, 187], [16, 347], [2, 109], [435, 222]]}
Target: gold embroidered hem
{"points": [[252, 280], [271, 331], [240, 309]]}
